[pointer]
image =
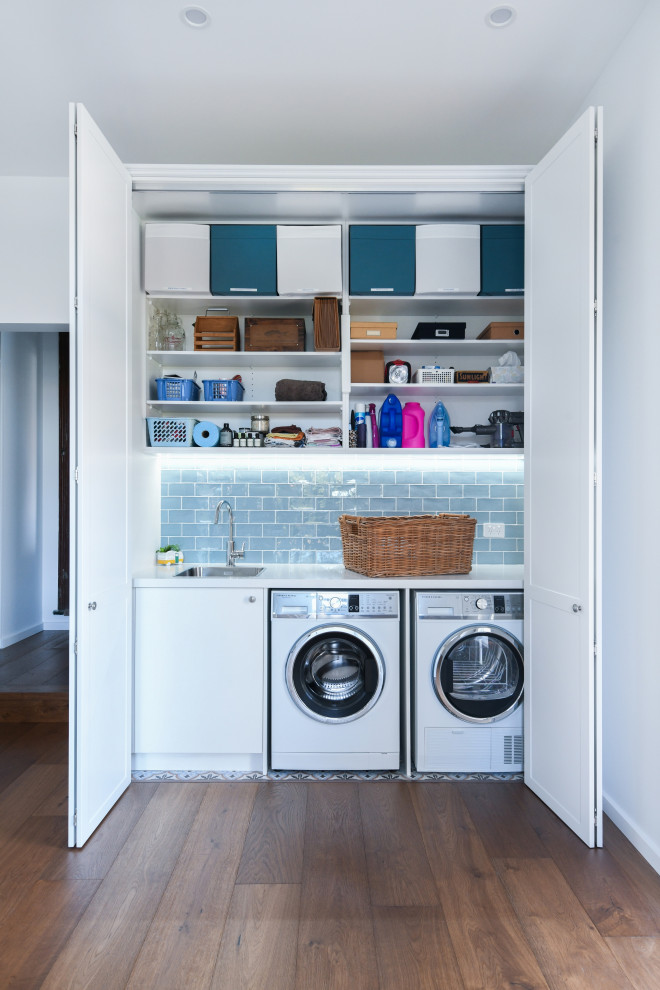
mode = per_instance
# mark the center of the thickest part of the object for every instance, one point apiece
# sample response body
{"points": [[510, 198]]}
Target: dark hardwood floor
{"points": [[306, 885], [34, 679]]}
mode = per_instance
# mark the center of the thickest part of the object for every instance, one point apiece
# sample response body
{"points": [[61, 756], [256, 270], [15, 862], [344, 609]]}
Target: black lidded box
{"points": [[439, 331]]}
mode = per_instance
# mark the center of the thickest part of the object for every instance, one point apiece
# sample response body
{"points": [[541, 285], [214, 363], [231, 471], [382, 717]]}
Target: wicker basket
{"points": [[396, 546]]}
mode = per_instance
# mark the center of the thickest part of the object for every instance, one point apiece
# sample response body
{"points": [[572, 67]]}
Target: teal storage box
{"points": [[382, 260], [243, 259], [502, 259]]}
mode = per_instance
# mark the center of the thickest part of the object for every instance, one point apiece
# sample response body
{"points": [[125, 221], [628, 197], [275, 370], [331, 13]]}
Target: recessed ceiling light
{"points": [[195, 17], [500, 17]]}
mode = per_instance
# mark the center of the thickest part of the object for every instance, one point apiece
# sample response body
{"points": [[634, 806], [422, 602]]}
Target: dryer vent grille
{"points": [[513, 749]]}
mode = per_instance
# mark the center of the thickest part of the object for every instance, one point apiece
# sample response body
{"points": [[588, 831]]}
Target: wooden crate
{"points": [[327, 336], [503, 331], [274, 334], [217, 333]]}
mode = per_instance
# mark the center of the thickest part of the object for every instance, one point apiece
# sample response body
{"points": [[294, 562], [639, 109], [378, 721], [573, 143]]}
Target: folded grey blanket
{"points": [[295, 390]]}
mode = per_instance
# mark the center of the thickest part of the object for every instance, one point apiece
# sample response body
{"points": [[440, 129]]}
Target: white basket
{"points": [[434, 376]]}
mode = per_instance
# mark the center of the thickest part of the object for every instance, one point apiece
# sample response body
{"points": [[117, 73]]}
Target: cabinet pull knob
{"points": [[577, 608], [91, 606], [252, 598]]}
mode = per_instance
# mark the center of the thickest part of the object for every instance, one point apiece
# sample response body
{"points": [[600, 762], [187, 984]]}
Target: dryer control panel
{"points": [[479, 605]]}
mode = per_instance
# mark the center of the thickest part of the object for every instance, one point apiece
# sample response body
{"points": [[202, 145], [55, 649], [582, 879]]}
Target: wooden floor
{"points": [[34, 679], [374, 885]]}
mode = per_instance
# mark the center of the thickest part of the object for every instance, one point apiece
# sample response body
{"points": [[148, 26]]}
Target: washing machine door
{"points": [[335, 673], [478, 673]]}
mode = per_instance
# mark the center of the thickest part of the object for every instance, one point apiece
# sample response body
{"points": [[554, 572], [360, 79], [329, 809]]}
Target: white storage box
{"points": [[448, 259], [507, 375], [432, 375], [176, 258], [309, 260]]}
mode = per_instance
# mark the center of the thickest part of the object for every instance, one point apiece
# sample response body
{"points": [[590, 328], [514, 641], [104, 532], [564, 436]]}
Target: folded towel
{"points": [[295, 390]]}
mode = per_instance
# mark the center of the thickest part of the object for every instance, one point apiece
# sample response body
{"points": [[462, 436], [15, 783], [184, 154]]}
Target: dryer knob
{"points": [[482, 603], [335, 602]]}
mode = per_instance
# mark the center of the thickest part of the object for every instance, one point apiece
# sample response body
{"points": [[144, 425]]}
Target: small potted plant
{"points": [[171, 554]]}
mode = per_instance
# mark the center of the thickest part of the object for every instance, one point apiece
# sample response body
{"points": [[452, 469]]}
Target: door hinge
{"points": [[75, 302], [596, 135], [595, 306], [75, 130], [75, 647], [75, 819], [76, 475]]}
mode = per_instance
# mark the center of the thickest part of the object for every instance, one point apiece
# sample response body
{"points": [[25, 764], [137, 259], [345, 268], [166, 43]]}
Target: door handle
{"points": [[577, 608], [91, 606], [252, 598]]}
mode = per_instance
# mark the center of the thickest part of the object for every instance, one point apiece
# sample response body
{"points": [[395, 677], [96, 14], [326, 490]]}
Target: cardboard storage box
{"points": [[503, 331], [373, 331], [367, 366]]}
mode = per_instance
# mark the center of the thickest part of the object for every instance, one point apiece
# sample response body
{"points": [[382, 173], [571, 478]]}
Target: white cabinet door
{"points": [[100, 669], [199, 677], [562, 511]]}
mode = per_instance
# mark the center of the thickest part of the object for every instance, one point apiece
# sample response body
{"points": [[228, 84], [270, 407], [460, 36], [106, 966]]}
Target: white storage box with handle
{"points": [[448, 259], [309, 260], [176, 258]]}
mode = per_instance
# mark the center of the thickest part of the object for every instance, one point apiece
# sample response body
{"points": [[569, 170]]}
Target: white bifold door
{"points": [[100, 659], [563, 208]]}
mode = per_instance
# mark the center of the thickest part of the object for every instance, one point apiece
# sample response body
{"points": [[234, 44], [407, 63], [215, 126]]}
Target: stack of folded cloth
{"points": [[285, 436], [324, 436]]}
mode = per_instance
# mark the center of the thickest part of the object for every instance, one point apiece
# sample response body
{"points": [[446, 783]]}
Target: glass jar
{"points": [[259, 423], [174, 336]]}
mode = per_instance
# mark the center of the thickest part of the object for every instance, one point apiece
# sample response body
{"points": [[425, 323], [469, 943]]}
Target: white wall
{"points": [[20, 511], [629, 90], [34, 253]]}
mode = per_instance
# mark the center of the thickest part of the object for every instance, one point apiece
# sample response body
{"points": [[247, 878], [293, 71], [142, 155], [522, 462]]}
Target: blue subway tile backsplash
{"points": [[291, 515]]}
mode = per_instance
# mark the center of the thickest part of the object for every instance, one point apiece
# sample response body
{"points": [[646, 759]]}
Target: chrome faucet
{"points": [[232, 553]]}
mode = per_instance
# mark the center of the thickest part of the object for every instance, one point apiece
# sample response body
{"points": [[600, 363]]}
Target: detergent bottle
{"points": [[413, 425], [391, 423], [439, 435]]}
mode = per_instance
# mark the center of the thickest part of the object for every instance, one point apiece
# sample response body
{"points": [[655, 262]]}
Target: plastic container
{"points": [[391, 422], [221, 390], [226, 436], [439, 434], [360, 424], [179, 389], [170, 432], [375, 439], [412, 434]]}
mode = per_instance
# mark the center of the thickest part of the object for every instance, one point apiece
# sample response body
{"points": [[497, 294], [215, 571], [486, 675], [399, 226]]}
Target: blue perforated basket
{"points": [[181, 389], [165, 432], [220, 390]]}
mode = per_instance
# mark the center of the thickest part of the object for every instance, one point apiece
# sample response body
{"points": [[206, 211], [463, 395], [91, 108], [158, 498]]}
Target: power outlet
{"points": [[494, 531]]}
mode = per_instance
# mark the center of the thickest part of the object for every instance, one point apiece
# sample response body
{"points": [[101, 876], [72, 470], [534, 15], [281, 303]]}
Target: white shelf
{"points": [[452, 348], [352, 452], [440, 306], [220, 407], [245, 359], [488, 388], [462, 450]]}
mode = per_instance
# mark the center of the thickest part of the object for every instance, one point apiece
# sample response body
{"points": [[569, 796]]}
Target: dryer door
{"points": [[478, 673], [335, 673]]}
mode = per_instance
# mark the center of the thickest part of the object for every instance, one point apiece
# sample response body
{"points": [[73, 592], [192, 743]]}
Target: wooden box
{"points": [[327, 336], [367, 366], [274, 334], [217, 333], [503, 331], [373, 331]]}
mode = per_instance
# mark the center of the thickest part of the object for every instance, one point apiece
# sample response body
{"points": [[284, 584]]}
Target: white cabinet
{"points": [[199, 679], [309, 260], [447, 259], [176, 257]]}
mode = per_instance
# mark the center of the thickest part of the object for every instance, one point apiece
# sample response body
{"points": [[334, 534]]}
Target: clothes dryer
{"points": [[334, 679], [468, 681]]}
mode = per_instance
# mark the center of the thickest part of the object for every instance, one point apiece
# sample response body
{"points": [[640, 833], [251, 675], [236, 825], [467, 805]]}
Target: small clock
{"points": [[397, 372]]}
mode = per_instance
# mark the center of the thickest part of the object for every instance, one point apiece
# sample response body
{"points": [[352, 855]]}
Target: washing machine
{"points": [[468, 681], [334, 680]]}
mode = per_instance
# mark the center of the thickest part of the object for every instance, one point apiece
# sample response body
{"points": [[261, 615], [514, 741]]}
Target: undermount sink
{"points": [[207, 571]]}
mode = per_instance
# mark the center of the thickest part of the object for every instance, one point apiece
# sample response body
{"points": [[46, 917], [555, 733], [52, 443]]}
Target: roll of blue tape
{"points": [[206, 434]]}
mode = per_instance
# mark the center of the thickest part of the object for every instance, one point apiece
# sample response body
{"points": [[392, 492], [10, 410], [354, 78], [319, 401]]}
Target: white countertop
{"points": [[317, 576]]}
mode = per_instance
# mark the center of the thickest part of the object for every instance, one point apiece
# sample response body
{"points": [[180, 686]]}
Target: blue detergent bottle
{"points": [[439, 435], [390, 422]]}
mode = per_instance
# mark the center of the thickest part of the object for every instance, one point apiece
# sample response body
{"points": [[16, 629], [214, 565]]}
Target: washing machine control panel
{"points": [[365, 603]]}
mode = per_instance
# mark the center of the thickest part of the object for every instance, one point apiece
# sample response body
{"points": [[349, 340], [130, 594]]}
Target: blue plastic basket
{"points": [[220, 390], [165, 432], [181, 389]]}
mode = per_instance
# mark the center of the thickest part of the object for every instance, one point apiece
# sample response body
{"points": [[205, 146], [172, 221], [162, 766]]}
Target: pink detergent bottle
{"points": [[413, 425]]}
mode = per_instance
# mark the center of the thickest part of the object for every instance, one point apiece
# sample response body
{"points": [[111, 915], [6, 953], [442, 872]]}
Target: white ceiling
{"points": [[291, 82]]}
